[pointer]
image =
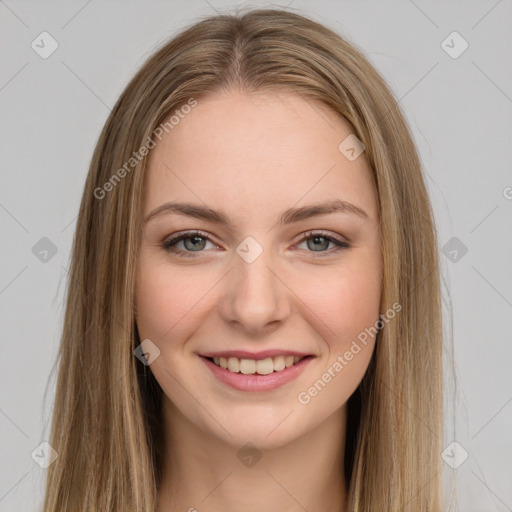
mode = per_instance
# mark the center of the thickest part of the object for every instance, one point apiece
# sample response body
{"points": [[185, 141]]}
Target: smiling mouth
{"points": [[256, 367]]}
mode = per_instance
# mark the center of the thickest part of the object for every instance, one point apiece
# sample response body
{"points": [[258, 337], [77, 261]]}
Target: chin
{"points": [[265, 431]]}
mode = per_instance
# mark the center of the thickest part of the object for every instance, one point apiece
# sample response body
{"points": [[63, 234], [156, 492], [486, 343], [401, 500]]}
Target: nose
{"points": [[255, 299]]}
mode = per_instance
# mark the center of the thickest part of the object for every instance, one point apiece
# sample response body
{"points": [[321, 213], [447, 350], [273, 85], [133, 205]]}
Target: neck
{"points": [[203, 472]]}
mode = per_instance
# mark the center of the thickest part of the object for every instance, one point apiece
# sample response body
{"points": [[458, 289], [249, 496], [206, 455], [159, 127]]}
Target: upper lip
{"points": [[242, 354]]}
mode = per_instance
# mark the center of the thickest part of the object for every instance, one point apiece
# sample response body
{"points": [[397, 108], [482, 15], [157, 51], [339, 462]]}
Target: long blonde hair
{"points": [[106, 423]]}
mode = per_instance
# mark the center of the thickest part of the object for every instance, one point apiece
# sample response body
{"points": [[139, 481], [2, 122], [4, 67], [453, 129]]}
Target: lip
{"points": [[254, 382], [242, 354]]}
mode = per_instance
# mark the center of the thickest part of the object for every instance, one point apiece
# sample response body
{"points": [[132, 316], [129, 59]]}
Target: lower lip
{"points": [[257, 382]]}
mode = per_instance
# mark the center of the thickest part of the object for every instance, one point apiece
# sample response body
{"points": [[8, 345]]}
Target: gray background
{"points": [[460, 111]]}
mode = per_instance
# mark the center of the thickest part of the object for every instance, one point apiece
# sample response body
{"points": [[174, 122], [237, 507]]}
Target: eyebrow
{"points": [[287, 217]]}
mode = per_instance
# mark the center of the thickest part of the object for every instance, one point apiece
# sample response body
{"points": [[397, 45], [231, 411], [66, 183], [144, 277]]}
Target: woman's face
{"points": [[272, 274]]}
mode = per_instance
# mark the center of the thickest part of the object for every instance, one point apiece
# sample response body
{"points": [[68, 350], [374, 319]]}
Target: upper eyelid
{"points": [[188, 234]]}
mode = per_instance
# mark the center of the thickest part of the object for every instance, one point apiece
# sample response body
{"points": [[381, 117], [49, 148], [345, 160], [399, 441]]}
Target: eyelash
{"points": [[169, 244]]}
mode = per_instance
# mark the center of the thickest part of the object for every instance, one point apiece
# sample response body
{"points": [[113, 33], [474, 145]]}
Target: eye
{"points": [[318, 242], [194, 242]]}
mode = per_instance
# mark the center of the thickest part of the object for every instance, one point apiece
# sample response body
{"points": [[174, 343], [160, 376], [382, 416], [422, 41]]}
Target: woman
{"points": [[253, 317]]}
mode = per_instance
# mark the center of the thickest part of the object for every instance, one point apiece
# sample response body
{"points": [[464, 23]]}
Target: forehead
{"points": [[258, 151]]}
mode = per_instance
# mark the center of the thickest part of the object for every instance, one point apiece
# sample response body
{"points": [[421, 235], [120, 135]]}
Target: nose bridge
{"points": [[255, 296]]}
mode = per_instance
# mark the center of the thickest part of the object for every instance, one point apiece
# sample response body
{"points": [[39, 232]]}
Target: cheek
{"points": [[167, 299], [346, 309], [347, 299]]}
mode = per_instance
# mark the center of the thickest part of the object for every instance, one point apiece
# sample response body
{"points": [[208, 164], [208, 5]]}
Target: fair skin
{"points": [[252, 156]]}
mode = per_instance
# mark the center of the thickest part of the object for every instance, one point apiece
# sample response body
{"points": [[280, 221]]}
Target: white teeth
{"points": [[247, 366], [260, 366], [279, 363], [234, 364], [265, 366]]}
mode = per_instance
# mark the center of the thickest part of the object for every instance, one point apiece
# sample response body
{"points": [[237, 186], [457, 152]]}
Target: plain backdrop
{"points": [[457, 100]]}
